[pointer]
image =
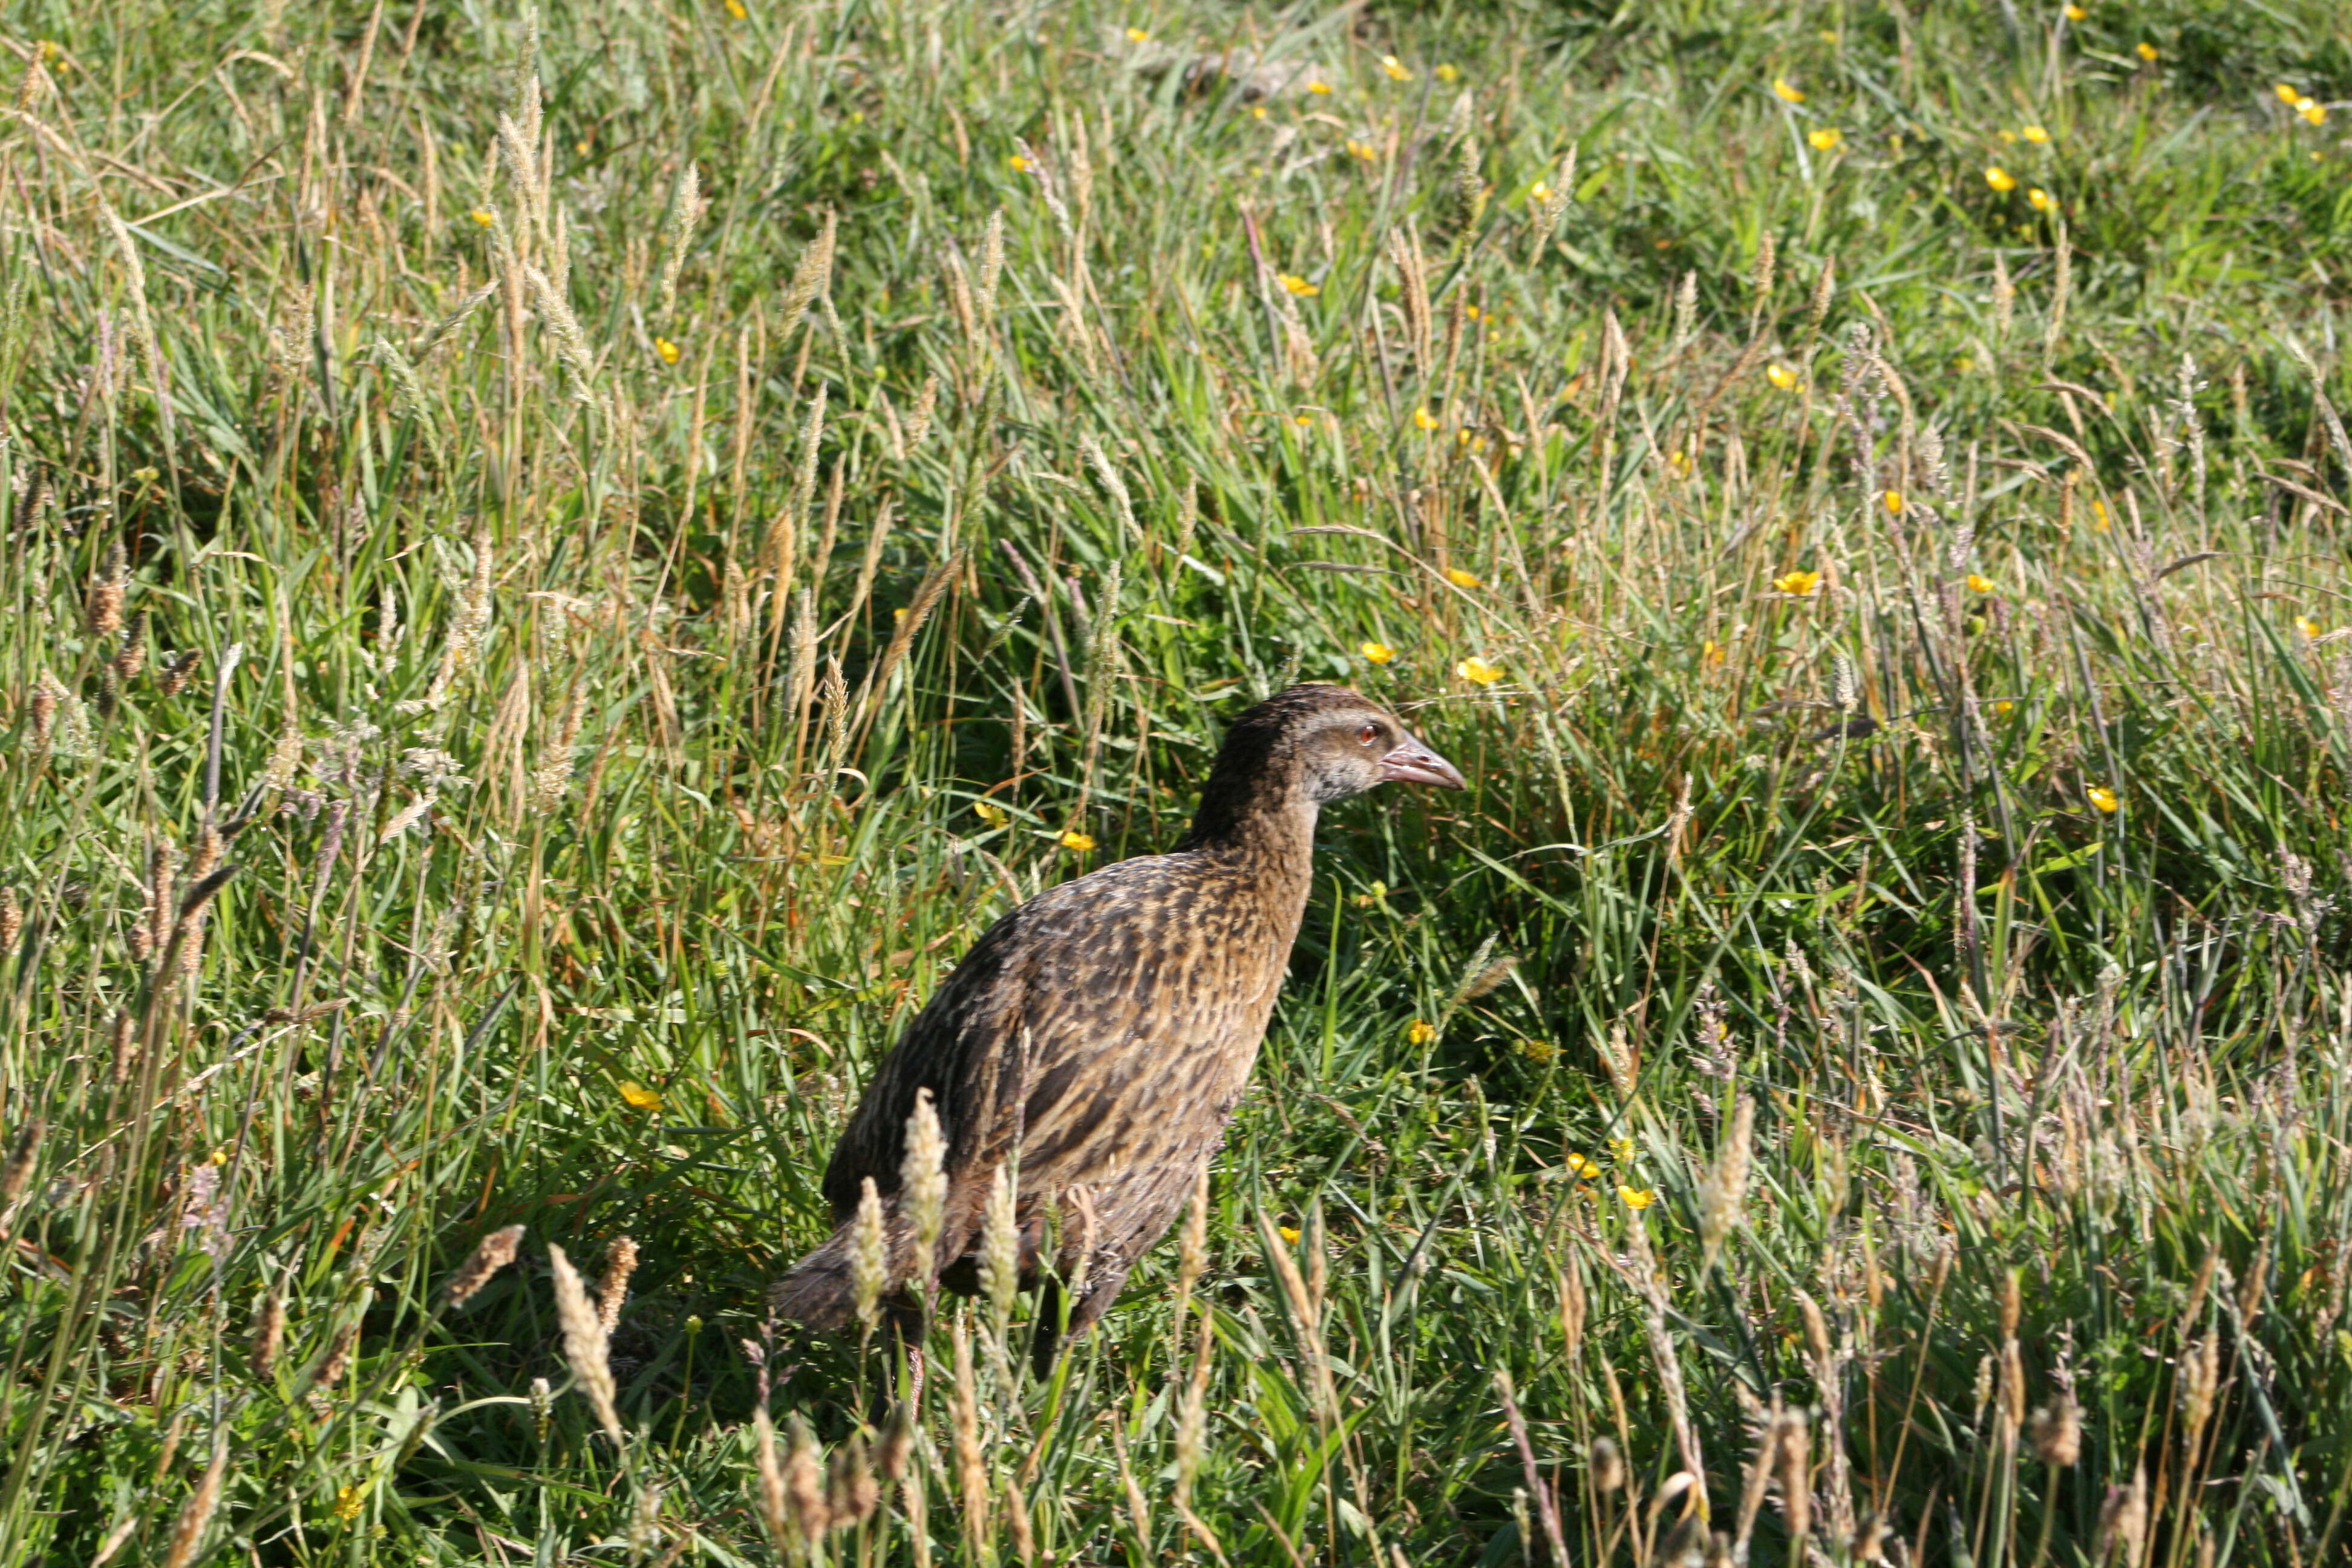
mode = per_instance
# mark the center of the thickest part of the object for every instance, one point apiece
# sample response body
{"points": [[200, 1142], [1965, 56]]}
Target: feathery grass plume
{"points": [[851, 1492], [1725, 1190], [124, 1039], [1650, 1288], [446, 330], [992, 270], [805, 1512], [2061, 289], [583, 1341], [1766, 270], [2327, 415], [775, 1509], [132, 659], [103, 604], [1191, 1423], [1606, 1465], [1824, 290], [813, 275], [783, 533], [2056, 1430], [1404, 254], [269, 1333], [613, 1291], [12, 922], [1468, 183], [550, 782], [197, 1513], [495, 1252], [1000, 1254], [1300, 362], [834, 694], [1113, 485], [972, 1468], [466, 629], [571, 342], [521, 159], [2200, 1375], [685, 211], [1686, 311], [898, 1444], [2122, 1522], [869, 1255], [1016, 1520], [1553, 205], [918, 421], [329, 1374], [923, 1185], [17, 1172]]}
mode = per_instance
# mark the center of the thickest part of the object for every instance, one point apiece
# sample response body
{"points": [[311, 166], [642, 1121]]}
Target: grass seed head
{"points": [[1000, 1247], [2057, 1432], [869, 1255], [583, 1341], [922, 1180], [494, 1253], [613, 1291]]}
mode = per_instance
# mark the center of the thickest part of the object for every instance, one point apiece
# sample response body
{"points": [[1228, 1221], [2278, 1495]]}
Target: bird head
{"points": [[1345, 743]]}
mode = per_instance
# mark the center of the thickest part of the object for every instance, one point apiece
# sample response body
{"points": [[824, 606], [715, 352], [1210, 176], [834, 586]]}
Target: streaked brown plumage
{"points": [[1105, 1029]]}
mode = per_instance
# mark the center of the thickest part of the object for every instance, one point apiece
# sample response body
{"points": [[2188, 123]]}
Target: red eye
{"points": [[1369, 734]]}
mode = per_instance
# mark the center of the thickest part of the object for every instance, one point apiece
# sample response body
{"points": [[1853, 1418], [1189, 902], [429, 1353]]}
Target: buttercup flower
{"points": [[1459, 578], [1981, 584], [1289, 1234], [1781, 376], [1017, 164], [2001, 179], [2043, 202], [1081, 843], [991, 812], [666, 349], [1538, 192], [1637, 1198], [1783, 90], [1893, 499], [482, 215], [2314, 112], [2106, 799], [1479, 671], [1301, 287], [1449, 73], [2307, 626], [638, 1097], [1319, 89], [1826, 139], [1138, 35], [2035, 134], [1396, 71], [2288, 95], [1377, 652], [2076, 14], [1798, 584], [1578, 1165], [1425, 419], [1420, 1032], [2145, 51]]}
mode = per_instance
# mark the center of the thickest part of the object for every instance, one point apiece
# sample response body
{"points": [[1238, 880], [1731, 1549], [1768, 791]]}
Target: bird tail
{"points": [[816, 1291]]}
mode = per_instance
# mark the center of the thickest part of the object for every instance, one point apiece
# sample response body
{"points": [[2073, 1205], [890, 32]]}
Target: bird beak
{"points": [[1413, 763]]}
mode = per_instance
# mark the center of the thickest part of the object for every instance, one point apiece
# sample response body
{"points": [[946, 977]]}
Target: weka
{"points": [[1100, 1035]]}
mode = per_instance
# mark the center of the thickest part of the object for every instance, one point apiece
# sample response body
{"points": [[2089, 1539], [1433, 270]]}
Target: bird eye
{"points": [[1369, 734]]}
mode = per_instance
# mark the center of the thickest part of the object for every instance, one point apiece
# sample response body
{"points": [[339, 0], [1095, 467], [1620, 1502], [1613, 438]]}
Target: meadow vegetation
{"points": [[559, 568]]}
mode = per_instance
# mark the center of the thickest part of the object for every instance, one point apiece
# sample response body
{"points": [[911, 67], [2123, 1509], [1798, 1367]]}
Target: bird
{"points": [[1095, 1041]]}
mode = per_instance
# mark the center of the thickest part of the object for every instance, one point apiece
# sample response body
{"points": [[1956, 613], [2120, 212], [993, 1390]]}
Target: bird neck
{"points": [[1267, 819]]}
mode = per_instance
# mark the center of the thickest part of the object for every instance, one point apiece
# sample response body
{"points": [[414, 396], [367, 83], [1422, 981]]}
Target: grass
{"points": [[560, 572]]}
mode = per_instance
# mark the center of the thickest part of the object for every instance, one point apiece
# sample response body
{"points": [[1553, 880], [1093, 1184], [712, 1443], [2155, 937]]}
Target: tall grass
{"points": [[562, 568]]}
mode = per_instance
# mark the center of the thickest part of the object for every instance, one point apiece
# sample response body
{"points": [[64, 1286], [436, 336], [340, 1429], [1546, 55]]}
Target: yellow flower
{"points": [[1016, 162], [1459, 578], [1448, 73], [1258, 112], [1578, 1166], [735, 9], [1981, 584], [2307, 626], [1138, 35], [2043, 202], [1826, 139], [2145, 51], [2001, 179], [1787, 93], [1478, 670], [1302, 419], [482, 215], [2103, 798], [1363, 150], [2007, 135], [1377, 652], [991, 812], [1423, 419], [2003, 706], [2076, 14], [348, 1503], [638, 1097], [1711, 652], [2288, 95], [1798, 584], [1420, 1032], [1397, 72], [1289, 1234], [1893, 499], [1540, 1052], [1637, 1198], [2314, 112], [1781, 376], [2035, 134], [1301, 287], [1081, 843], [1540, 193], [1623, 1148], [2099, 523], [666, 349], [1319, 87]]}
